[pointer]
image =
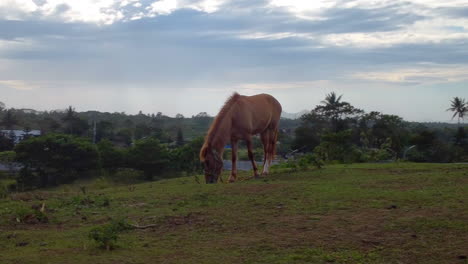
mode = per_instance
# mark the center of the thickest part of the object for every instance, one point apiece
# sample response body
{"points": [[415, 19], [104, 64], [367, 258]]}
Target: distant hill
{"points": [[436, 125], [293, 115]]}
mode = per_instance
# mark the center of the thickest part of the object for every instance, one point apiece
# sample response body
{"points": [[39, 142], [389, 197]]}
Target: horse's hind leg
{"points": [[271, 146], [265, 141], [251, 155]]}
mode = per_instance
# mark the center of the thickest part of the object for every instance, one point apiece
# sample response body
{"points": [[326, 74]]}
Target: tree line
{"points": [[336, 131], [77, 145]]}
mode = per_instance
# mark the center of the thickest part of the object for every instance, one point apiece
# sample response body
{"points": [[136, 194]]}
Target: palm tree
{"points": [[332, 101], [332, 104], [69, 118], [459, 108], [334, 108]]}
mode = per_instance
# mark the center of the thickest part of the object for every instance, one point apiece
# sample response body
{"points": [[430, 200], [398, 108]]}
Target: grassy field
{"points": [[361, 213]]}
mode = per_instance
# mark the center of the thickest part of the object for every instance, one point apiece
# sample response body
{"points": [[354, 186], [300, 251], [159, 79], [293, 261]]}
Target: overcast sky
{"points": [[407, 58]]}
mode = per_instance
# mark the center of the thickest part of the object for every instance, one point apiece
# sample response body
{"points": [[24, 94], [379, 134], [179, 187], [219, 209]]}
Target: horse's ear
{"points": [[203, 151]]}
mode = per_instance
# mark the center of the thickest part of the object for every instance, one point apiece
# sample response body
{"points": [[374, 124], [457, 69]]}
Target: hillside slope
{"points": [[364, 213]]}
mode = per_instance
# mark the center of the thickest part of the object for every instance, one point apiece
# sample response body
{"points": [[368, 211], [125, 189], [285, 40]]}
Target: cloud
{"points": [[259, 87], [162, 7], [130, 53], [423, 74], [18, 85]]}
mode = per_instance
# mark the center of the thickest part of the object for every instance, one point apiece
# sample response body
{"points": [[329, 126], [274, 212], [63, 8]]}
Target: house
{"points": [[18, 135]]}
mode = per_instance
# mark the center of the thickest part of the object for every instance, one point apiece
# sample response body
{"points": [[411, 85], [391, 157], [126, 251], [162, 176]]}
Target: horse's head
{"points": [[212, 162]]}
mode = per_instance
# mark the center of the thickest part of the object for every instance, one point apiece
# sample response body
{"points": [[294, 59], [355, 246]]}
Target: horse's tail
{"points": [[274, 139]]}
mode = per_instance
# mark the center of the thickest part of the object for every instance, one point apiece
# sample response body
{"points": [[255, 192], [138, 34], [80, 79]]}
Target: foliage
{"points": [[459, 107], [180, 137], [111, 157], [106, 235], [6, 142], [55, 158], [150, 156], [28, 215], [301, 163], [337, 111], [9, 120], [73, 124], [8, 158], [338, 147], [338, 132], [186, 158]]}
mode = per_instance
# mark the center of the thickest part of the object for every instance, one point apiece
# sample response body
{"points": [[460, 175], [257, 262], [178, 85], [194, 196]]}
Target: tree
{"points": [[377, 129], [73, 124], [111, 157], [9, 120], [149, 156], [202, 115], [337, 111], [333, 115], [48, 125], [180, 137], [8, 158], [459, 108], [307, 135], [2, 106], [104, 130], [6, 142], [186, 158], [56, 158]]}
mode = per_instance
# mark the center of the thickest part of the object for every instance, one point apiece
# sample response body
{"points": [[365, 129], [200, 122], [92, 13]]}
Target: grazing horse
{"points": [[240, 118]]}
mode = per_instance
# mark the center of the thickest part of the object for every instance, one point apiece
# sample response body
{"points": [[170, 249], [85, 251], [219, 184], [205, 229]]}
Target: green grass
{"points": [[357, 213]]}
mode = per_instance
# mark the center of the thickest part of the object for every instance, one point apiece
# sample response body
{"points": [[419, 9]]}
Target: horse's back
{"points": [[267, 102], [258, 112]]}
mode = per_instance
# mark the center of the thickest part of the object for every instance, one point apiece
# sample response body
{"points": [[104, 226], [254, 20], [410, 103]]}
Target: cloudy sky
{"points": [[186, 56]]}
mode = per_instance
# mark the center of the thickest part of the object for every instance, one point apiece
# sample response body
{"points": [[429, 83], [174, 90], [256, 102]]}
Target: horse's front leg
{"points": [[233, 176], [251, 156]]}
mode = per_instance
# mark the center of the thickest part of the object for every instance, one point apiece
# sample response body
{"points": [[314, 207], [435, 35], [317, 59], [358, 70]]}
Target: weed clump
{"points": [[33, 215], [88, 201]]}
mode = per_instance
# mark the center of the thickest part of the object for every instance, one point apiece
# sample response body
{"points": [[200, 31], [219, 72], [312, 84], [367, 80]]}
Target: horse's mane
{"points": [[217, 122]]}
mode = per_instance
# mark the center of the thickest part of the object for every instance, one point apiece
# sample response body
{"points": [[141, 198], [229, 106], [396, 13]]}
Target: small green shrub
{"points": [[107, 235]]}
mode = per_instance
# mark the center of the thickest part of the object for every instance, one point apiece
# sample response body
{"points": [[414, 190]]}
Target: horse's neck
{"points": [[222, 134]]}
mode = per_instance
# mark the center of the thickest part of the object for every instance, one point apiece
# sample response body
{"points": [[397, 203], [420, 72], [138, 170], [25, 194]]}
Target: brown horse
{"points": [[240, 118]]}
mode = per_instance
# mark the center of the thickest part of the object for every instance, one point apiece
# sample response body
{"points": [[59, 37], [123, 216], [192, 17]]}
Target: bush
{"points": [[106, 235], [29, 215]]}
